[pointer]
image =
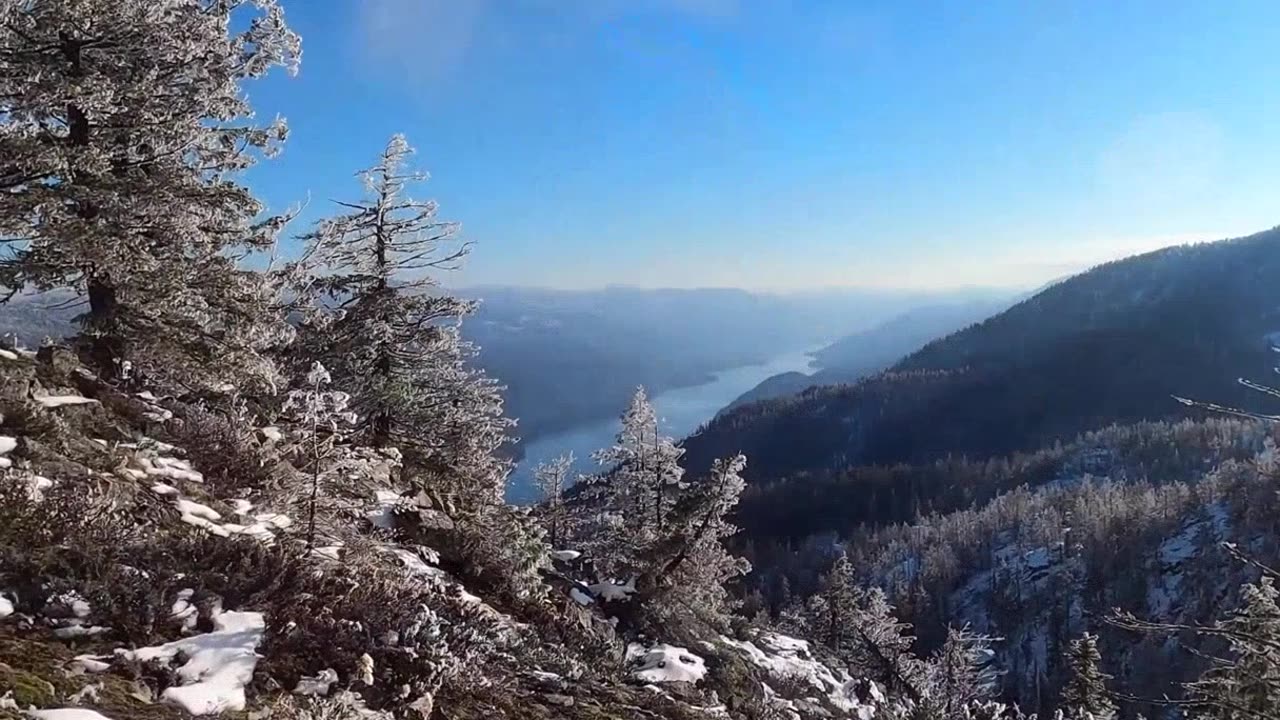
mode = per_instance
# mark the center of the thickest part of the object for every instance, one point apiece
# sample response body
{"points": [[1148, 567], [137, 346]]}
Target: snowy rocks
{"points": [[665, 663], [613, 591]]}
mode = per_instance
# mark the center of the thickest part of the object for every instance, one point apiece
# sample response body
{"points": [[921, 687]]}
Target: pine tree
{"points": [[1085, 694], [321, 420], [646, 469], [123, 124], [958, 676], [392, 337], [628, 507], [858, 625], [694, 564], [551, 479], [1246, 686]]}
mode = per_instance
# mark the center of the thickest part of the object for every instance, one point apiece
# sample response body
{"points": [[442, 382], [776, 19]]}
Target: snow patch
{"points": [[612, 591], [6, 607], [7, 444], [55, 401], [217, 667], [665, 663], [788, 658], [565, 555], [67, 714], [318, 685]]}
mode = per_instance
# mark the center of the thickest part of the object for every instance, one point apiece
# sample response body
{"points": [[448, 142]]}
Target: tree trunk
{"points": [[105, 344]]}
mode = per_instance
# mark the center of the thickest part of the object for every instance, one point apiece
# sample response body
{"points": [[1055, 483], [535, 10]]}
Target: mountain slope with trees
{"points": [[1114, 344], [864, 353]]}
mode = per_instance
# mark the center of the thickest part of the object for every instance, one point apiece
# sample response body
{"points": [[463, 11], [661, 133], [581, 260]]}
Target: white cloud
{"points": [[431, 38]]}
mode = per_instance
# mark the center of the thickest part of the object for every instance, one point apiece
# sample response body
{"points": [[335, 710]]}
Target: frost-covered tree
{"points": [[390, 335], [123, 126], [1085, 694], [1246, 685], [694, 565], [552, 480], [958, 677], [321, 419], [858, 625], [646, 468]]}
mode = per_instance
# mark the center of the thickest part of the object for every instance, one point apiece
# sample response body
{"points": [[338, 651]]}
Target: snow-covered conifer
{"points": [[1247, 685], [552, 480], [646, 475], [1086, 688], [391, 335], [123, 125]]}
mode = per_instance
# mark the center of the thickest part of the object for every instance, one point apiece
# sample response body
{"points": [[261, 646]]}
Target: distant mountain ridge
{"points": [[1108, 345], [855, 356]]}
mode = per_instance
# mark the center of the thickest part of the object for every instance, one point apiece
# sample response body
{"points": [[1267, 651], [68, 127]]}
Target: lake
{"points": [[680, 412]]}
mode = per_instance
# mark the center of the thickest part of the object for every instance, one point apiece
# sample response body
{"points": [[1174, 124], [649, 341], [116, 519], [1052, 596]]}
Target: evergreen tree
{"points": [[391, 337], [628, 507], [1085, 694], [551, 479], [123, 124], [1246, 686], [695, 566], [645, 469], [959, 675], [858, 625]]}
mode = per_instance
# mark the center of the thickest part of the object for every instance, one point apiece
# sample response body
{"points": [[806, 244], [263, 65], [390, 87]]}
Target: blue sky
{"points": [[782, 144]]}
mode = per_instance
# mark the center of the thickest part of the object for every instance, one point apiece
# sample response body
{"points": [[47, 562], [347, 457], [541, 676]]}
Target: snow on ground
{"points": [[565, 555], [8, 354], [580, 597], [272, 433], [787, 658], [665, 663], [7, 444], [67, 714], [217, 666], [169, 468], [612, 591], [36, 487], [318, 685], [91, 663], [54, 401], [383, 514], [6, 606]]}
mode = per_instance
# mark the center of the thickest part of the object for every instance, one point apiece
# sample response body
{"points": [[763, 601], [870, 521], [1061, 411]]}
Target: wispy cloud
{"points": [[432, 38]]}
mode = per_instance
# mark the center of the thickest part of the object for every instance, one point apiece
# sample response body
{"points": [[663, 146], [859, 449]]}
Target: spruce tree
{"points": [[1246, 686], [630, 505], [551, 479], [123, 126], [391, 337], [1085, 694], [858, 625], [646, 468]]}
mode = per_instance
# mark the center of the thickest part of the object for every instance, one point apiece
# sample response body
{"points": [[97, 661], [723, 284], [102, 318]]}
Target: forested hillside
{"points": [[867, 352], [1114, 344]]}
